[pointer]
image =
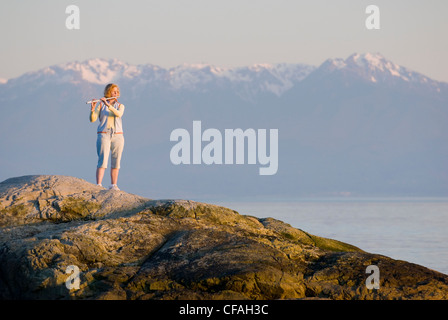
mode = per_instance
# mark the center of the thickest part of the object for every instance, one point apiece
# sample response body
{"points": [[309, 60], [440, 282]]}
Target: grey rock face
{"points": [[129, 247]]}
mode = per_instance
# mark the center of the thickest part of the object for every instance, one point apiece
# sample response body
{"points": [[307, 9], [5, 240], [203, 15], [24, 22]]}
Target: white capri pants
{"points": [[109, 143]]}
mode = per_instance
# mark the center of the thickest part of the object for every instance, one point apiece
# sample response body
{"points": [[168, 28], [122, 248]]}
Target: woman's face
{"points": [[115, 92]]}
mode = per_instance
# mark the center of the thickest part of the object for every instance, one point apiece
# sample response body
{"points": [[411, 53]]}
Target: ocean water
{"points": [[414, 230]]}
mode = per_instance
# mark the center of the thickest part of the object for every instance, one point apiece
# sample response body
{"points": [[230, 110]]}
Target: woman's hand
{"points": [[93, 105], [103, 99]]}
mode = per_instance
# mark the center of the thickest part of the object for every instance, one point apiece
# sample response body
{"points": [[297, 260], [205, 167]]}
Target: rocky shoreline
{"points": [[128, 247]]}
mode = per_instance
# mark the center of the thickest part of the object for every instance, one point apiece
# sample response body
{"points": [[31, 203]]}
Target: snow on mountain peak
{"points": [[247, 80], [100, 71], [374, 59], [275, 78], [375, 62], [374, 67], [337, 63]]}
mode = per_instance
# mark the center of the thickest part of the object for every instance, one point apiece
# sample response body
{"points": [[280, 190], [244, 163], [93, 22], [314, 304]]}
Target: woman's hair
{"points": [[109, 88]]}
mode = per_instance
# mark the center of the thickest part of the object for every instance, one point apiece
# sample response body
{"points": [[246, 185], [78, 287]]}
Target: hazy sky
{"points": [[222, 32]]}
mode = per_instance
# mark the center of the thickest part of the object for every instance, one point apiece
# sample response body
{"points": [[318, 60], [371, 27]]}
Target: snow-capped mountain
{"points": [[271, 78], [363, 125], [373, 68], [276, 78], [95, 71]]}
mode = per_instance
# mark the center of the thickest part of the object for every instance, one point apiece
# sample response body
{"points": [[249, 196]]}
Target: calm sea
{"points": [[414, 230]]}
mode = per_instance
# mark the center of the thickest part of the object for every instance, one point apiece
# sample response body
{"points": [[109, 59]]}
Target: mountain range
{"points": [[360, 126]]}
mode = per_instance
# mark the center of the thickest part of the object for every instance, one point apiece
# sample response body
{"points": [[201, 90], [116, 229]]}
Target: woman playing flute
{"points": [[110, 139]]}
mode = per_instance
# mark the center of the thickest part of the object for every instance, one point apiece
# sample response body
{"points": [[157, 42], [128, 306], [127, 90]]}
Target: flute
{"points": [[97, 100]]}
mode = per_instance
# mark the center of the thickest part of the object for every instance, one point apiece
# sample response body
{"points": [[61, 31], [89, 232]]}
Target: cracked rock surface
{"points": [[129, 247]]}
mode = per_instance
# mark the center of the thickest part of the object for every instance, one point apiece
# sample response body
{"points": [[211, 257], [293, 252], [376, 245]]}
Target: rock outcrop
{"points": [[130, 247]]}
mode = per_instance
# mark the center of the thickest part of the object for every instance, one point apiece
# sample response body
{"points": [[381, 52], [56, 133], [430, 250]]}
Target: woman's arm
{"points": [[118, 113]]}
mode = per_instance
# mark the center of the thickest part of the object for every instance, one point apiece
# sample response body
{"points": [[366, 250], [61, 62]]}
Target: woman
{"points": [[110, 139]]}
